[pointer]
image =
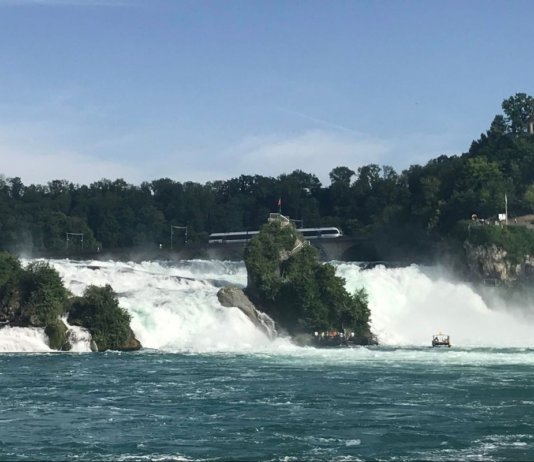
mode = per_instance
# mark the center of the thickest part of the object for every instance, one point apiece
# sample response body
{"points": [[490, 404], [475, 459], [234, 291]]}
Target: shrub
{"points": [[98, 311], [57, 336], [43, 297]]}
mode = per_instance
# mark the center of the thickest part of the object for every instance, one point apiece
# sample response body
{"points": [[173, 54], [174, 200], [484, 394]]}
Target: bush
{"points": [[99, 312], [57, 336], [43, 297], [10, 271]]}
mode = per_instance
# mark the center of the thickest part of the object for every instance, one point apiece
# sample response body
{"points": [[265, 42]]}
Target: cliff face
{"points": [[492, 263]]}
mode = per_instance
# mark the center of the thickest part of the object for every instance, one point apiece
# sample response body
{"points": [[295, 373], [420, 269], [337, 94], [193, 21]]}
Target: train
{"points": [[330, 232]]}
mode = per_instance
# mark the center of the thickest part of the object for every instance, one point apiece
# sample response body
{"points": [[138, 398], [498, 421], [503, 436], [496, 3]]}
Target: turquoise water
{"points": [[359, 404]]}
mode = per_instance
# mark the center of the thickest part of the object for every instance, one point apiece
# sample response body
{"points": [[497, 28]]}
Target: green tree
{"points": [[42, 294], [518, 109], [98, 311]]}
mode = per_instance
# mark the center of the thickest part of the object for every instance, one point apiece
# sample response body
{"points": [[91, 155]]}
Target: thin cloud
{"points": [[42, 167], [322, 122], [316, 151], [65, 2]]}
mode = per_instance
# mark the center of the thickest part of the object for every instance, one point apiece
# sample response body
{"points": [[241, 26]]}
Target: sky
{"points": [[210, 90]]}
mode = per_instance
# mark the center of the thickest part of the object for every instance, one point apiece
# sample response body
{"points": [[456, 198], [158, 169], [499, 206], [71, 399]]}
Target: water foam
{"points": [[79, 338], [23, 340], [409, 305], [174, 308]]}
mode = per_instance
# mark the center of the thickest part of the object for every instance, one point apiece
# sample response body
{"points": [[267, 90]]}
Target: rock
{"points": [[233, 296], [131, 344], [286, 280], [493, 264]]}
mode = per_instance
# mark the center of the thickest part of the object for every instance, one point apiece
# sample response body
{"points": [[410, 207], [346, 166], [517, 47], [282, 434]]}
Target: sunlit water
{"points": [[209, 386]]}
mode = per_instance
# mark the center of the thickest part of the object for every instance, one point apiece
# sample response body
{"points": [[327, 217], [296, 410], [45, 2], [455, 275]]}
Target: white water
{"points": [[174, 308], [23, 340], [79, 338], [410, 304]]}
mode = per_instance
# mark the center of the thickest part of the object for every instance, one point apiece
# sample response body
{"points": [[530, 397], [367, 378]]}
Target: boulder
{"points": [[233, 296]]}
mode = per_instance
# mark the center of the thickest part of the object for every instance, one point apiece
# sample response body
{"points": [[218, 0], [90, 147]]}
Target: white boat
{"points": [[440, 340]]}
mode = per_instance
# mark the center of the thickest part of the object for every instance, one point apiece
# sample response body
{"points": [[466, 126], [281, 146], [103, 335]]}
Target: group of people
{"points": [[333, 334]]}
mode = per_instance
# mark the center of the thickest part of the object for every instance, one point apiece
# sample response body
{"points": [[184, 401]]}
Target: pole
{"points": [[172, 233], [505, 208]]}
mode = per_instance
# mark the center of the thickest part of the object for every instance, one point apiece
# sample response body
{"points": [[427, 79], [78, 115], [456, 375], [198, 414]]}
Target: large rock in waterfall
{"points": [[233, 296], [287, 281]]}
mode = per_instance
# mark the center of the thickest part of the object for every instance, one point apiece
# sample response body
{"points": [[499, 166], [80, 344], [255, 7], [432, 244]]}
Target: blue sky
{"points": [[208, 90]]}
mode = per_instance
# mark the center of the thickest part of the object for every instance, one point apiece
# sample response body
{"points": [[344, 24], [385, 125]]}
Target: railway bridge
{"points": [[342, 248]]}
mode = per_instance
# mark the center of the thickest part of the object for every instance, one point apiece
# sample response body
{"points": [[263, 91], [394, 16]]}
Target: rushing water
{"points": [[209, 386]]}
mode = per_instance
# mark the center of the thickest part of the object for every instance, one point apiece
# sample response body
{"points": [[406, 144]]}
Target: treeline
{"points": [[413, 210]]}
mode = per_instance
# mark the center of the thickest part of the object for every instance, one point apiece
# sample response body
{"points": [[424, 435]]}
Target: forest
{"points": [[417, 209]]}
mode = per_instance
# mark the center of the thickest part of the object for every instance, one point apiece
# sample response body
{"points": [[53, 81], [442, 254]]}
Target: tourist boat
{"points": [[440, 339]]}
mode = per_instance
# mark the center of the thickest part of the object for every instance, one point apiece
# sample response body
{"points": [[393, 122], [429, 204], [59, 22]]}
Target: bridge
{"points": [[342, 248]]}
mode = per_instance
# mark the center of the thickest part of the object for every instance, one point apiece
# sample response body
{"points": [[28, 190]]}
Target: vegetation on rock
{"points": [[99, 312], [42, 294], [35, 296], [301, 294], [57, 335]]}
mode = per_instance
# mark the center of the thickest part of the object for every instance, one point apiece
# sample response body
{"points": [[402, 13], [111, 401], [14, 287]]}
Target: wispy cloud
{"points": [[42, 166], [315, 151], [65, 2], [320, 122]]}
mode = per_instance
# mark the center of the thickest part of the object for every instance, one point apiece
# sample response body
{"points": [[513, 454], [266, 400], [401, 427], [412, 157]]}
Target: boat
{"points": [[441, 340]]}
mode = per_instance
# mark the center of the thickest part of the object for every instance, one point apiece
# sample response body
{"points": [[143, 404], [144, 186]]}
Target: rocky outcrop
{"points": [[493, 264], [233, 296], [131, 343]]}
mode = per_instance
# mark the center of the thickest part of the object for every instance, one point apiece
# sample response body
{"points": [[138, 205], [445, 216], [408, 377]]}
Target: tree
{"points": [[518, 110], [341, 176], [98, 311], [43, 296]]}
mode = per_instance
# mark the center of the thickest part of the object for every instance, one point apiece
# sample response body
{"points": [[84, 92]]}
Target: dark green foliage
{"points": [[262, 254], [299, 292], [57, 336], [10, 271], [43, 298], [35, 296], [98, 311], [518, 241], [420, 205], [518, 109]]}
